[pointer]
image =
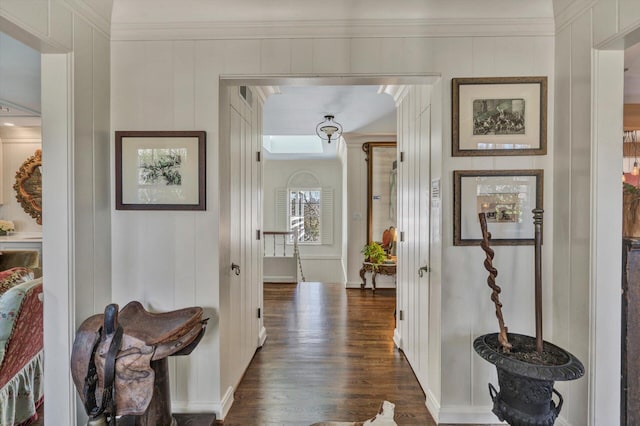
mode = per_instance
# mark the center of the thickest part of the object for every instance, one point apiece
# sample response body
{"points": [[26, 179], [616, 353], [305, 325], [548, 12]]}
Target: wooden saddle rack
{"points": [[119, 361]]}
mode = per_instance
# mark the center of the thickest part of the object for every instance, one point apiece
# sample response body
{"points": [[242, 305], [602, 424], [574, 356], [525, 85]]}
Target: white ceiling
{"points": [[360, 109], [295, 111]]}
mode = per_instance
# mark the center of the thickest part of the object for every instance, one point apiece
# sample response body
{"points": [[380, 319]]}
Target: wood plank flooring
{"points": [[329, 355]]}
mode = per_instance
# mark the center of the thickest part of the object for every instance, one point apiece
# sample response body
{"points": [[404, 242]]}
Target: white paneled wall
{"points": [[75, 139], [144, 78], [168, 259], [587, 199]]}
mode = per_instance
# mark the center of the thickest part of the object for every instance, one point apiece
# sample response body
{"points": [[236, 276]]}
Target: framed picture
{"points": [[499, 116], [160, 170], [507, 197]]}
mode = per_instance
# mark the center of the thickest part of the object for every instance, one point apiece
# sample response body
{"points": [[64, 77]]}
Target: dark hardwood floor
{"points": [[329, 356]]}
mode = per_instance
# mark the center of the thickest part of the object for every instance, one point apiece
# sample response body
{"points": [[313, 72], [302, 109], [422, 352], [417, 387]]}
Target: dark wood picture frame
{"points": [[516, 228], [518, 129], [176, 181]]}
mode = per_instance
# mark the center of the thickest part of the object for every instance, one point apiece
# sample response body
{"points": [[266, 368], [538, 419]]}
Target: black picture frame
{"points": [[160, 170]]}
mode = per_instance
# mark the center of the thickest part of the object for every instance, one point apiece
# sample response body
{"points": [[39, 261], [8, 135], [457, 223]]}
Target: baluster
{"points": [[284, 245]]}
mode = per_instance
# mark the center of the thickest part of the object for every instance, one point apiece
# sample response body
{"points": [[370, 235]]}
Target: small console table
{"points": [[381, 268]]}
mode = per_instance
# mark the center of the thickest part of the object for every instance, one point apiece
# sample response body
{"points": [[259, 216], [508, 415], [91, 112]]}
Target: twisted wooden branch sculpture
{"points": [[491, 280]]}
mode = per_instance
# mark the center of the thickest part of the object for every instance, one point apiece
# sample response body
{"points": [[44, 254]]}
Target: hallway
{"points": [[329, 355]]}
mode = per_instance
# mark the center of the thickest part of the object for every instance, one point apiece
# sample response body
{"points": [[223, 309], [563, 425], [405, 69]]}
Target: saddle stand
{"points": [[119, 361]]}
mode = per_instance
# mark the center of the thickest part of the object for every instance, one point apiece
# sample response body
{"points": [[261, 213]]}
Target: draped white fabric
{"points": [[19, 396]]}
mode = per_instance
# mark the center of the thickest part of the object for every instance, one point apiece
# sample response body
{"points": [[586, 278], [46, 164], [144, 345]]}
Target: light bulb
{"points": [[636, 170], [624, 179]]}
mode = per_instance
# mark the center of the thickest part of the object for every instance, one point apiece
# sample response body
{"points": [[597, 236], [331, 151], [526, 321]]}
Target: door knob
{"points": [[235, 268], [422, 270]]}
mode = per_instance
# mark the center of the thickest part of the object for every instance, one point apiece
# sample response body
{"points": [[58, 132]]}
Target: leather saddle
{"points": [[141, 337]]}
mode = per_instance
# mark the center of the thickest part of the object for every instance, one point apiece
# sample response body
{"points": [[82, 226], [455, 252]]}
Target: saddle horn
{"points": [[110, 319]]}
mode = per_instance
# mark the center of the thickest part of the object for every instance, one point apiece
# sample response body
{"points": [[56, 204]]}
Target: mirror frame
{"points": [[25, 197], [368, 149]]}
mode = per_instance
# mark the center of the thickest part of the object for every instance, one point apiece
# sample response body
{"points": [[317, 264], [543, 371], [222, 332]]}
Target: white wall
{"points": [[76, 197], [173, 84], [587, 247], [18, 144], [322, 263]]}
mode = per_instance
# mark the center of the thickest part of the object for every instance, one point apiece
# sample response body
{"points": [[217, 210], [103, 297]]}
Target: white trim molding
{"points": [[575, 9], [357, 28], [280, 278], [222, 408], [83, 9], [353, 284], [192, 407], [433, 405], [397, 339], [478, 414], [262, 337]]}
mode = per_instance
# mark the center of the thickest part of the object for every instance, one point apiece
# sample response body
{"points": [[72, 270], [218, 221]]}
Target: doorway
{"points": [[414, 299]]}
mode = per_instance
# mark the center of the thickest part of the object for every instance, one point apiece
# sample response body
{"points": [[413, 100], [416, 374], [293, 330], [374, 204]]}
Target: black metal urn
{"points": [[526, 379]]}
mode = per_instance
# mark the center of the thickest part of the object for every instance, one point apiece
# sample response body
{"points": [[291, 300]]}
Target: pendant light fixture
{"points": [[329, 130]]}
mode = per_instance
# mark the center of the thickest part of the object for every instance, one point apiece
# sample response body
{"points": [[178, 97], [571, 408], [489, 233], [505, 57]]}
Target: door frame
{"points": [[58, 258]]}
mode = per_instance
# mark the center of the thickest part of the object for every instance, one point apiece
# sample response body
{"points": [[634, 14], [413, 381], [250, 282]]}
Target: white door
{"points": [[414, 184], [245, 254], [423, 159]]}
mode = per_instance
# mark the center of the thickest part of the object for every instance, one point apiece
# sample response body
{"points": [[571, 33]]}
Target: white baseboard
{"points": [[353, 284], [357, 284], [193, 407], [262, 337], [222, 408], [433, 405], [279, 279], [468, 415], [397, 339]]}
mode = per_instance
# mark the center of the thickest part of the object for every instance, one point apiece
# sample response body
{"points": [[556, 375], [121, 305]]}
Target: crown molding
{"points": [[397, 92], [336, 29], [575, 9], [92, 16], [264, 92]]}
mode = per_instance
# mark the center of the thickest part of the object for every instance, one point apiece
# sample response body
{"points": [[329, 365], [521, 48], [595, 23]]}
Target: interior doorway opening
{"points": [[246, 187]]}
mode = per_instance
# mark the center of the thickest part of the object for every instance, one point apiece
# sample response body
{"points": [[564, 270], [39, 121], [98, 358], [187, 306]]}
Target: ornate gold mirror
{"points": [[28, 186], [381, 188]]}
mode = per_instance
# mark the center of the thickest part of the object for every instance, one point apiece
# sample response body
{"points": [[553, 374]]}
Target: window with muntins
{"points": [[305, 212]]}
